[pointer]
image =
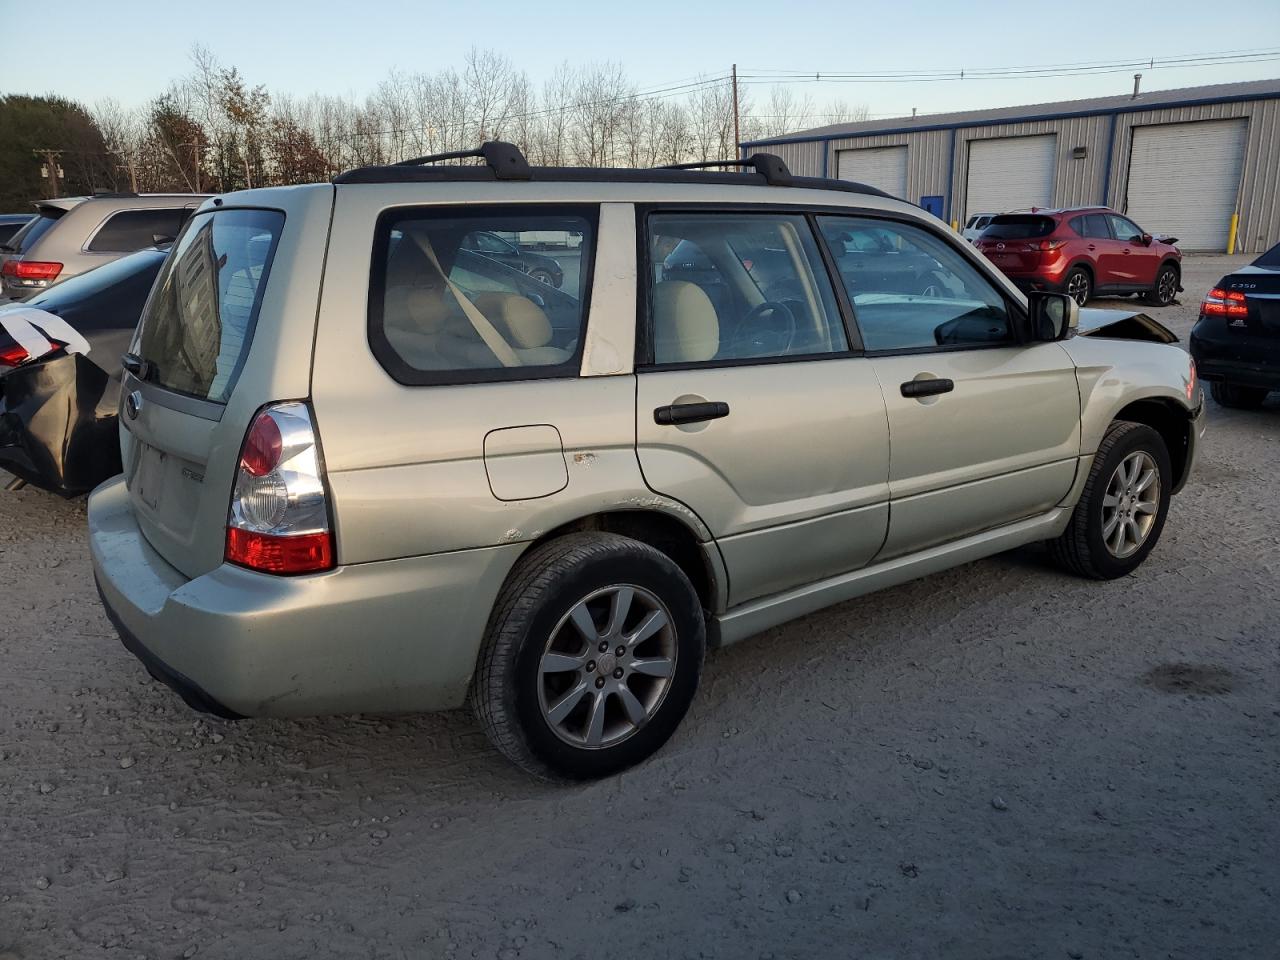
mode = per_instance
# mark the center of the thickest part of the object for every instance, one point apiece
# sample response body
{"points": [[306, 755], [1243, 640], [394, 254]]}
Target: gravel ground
{"points": [[999, 761]]}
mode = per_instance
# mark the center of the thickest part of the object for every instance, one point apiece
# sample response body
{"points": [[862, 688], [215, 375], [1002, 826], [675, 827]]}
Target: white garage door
{"points": [[882, 167], [1183, 179], [1010, 173]]}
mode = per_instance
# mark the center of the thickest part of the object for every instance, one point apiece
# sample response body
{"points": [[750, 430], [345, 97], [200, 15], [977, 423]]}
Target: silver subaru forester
{"points": [[368, 468]]}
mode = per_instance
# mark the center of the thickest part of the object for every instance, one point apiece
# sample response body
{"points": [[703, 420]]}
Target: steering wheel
{"points": [[766, 339]]}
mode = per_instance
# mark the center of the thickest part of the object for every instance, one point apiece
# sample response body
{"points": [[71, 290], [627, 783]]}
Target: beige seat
{"points": [[524, 325], [425, 326], [685, 326]]}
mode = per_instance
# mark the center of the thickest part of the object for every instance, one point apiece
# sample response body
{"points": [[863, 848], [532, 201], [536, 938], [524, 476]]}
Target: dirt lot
{"points": [[1000, 761]]}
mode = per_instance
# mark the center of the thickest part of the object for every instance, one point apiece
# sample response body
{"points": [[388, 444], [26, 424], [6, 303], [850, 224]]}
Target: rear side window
{"points": [[452, 302], [25, 239], [131, 230], [198, 325], [1018, 226], [1091, 225]]}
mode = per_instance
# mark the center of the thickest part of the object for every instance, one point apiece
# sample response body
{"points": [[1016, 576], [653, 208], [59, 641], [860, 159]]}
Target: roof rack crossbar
{"points": [[770, 166], [504, 159]]}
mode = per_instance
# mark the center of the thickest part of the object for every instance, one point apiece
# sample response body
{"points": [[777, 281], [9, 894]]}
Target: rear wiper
{"points": [[144, 370]]}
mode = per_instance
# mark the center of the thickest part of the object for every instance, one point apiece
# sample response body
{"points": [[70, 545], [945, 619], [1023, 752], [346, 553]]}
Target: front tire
{"points": [[543, 276], [1166, 287], [1122, 510], [1079, 285], [1238, 397], [592, 656]]}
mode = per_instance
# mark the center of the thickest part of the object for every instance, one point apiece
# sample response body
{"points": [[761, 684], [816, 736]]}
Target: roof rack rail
{"points": [[504, 159], [114, 193], [773, 168]]}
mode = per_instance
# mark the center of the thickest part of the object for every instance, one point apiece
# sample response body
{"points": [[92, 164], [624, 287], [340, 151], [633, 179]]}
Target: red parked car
{"points": [[1083, 251]]}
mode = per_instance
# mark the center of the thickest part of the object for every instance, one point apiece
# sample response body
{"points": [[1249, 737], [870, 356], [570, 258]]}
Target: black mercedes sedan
{"points": [[1236, 341], [60, 374]]}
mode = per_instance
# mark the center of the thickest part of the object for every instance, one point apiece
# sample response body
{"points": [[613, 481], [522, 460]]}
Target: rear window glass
{"points": [[131, 230], [199, 322], [1012, 226], [24, 239], [1269, 259], [471, 296]]}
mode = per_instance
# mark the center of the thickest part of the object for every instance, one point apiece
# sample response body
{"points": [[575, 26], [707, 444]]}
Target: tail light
{"points": [[13, 355], [1045, 245], [279, 518], [31, 273], [1224, 303]]}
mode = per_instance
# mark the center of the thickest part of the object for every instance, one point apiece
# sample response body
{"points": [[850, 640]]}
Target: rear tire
{"points": [[1079, 285], [543, 276], [1166, 287], [1119, 518], [1238, 397], [553, 692]]}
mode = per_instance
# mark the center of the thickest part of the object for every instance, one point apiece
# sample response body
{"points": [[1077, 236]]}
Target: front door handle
{"points": [[690, 412], [1092, 247], [927, 388]]}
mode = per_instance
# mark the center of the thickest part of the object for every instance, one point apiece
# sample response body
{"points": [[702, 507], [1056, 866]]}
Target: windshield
{"points": [[198, 325], [1269, 259], [1018, 227], [24, 239]]}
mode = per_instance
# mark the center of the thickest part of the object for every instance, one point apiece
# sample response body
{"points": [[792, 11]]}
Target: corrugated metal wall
{"points": [[1099, 177]]}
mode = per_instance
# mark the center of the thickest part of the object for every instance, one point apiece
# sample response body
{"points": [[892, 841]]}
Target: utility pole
{"points": [[737, 137], [51, 168]]}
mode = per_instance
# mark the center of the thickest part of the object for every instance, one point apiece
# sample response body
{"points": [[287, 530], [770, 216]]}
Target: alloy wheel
{"points": [[1130, 504], [1167, 286], [1078, 288], [607, 666]]}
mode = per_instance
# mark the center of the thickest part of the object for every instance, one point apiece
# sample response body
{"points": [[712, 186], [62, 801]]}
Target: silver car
{"points": [[71, 235], [367, 469]]}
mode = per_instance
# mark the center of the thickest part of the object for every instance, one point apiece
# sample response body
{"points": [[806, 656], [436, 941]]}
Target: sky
{"points": [[344, 49]]}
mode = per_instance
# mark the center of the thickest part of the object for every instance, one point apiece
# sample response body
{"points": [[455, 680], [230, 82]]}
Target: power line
{"points": [[1259, 55]]}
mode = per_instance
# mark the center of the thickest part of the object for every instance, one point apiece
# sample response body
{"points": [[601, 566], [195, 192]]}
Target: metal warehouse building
{"points": [[1181, 163]]}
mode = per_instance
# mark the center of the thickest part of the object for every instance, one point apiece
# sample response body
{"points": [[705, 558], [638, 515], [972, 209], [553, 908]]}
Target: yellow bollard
{"points": [[955, 225], [1231, 234]]}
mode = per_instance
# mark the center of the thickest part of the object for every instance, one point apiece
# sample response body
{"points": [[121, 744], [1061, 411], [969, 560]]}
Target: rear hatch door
{"points": [[1012, 241], [228, 328]]}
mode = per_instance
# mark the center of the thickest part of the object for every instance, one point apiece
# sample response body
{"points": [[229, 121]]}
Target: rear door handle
{"points": [[1092, 247], [690, 412], [927, 388]]}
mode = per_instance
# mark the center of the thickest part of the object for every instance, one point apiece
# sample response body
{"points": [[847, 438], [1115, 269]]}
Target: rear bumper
{"points": [[1239, 357], [391, 636]]}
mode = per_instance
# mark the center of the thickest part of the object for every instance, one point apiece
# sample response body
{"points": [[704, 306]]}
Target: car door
{"points": [[755, 410], [984, 428], [1138, 262], [1102, 249]]}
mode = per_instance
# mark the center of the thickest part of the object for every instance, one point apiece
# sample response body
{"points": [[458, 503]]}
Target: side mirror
{"points": [[1143, 238], [1054, 316]]}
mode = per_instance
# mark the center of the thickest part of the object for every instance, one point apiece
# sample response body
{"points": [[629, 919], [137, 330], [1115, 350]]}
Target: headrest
{"points": [[685, 325], [520, 320]]}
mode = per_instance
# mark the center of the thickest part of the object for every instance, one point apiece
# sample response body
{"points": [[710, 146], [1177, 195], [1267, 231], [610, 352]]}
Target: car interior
{"points": [[448, 308]]}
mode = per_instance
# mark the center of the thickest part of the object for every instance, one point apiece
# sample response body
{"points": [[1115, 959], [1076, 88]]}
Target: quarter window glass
{"points": [[912, 290], [444, 309], [131, 230], [727, 287]]}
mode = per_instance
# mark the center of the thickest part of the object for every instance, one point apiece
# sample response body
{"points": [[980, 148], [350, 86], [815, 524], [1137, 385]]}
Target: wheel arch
{"points": [[699, 559], [1172, 421]]}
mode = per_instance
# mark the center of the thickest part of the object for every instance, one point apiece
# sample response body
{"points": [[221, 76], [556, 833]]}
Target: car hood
{"points": [[1123, 325]]}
